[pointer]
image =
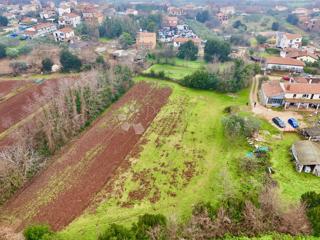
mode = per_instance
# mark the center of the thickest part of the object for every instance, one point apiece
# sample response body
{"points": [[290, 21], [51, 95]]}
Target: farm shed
{"points": [[312, 134], [307, 157]]}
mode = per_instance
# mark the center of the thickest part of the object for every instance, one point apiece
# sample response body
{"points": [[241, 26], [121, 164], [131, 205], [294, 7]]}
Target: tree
{"points": [[188, 51], [305, 41], [238, 126], [148, 222], [239, 25], [200, 80], [261, 39], [275, 26], [114, 27], [37, 232], [3, 21], [3, 53], [18, 67], [116, 231], [293, 19], [47, 65], [126, 40], [69, 61], [203, 16], [216, 48]]}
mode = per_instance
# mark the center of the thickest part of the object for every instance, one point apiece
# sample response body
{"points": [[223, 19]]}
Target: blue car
{"points": [[293, 122]]}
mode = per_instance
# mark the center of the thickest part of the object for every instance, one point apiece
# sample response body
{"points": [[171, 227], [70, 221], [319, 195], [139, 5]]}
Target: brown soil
{"points": [[20, 106], [8, 86], [67, 187]]}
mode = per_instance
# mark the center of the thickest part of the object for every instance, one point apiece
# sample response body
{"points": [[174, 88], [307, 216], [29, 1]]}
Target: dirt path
{"points": [[268, 113], [66, 188]]}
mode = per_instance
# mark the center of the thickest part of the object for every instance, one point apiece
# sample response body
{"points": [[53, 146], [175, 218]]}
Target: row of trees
{"points": [[67, 111], [231, 78]]}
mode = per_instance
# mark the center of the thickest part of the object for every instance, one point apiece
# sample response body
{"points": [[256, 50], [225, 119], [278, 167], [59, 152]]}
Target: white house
{"points": [[48, 13], [288, 40], [228, 10], [64, 9], [41, 30], [300, 95], [70, 19], [284, 64], [64, 35]]}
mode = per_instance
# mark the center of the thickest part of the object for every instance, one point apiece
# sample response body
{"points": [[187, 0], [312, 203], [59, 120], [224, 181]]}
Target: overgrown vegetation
{"points": [[63, 116], [312, 202]]}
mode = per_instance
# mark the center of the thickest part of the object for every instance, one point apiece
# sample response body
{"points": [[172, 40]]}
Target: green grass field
{"points": [[201, 30], [186, 139], [178, 71], [292, 183]]}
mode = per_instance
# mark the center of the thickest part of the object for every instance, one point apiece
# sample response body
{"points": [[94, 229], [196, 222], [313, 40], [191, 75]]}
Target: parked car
{"points": [[286, 78], [278, 121], [293, 122]]}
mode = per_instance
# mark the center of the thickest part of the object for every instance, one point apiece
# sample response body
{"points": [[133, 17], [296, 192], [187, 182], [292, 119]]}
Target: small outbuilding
{"points": [[307, 157], [312, 133]]}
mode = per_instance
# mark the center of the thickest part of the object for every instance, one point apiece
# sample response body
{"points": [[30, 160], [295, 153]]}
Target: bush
{"points": [[18, 67], [200, 80], [12, 52], [47, 65], [204, 207], [24, 50], [188, 51], [37, 232], [238, 126], [311, 199], [310, 70], [69, 61], [116, 232], [314, 217], [146, 223], [3, 53], [261, 39]]}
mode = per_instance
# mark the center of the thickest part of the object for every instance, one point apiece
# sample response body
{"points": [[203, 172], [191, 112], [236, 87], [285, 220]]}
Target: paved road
{"points": [[268, 113]]}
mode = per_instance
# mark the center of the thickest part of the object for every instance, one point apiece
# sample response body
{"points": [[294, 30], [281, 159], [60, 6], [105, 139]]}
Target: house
{"points": [[312, 24], [272, 94], [174, 11], [281, 8], [64, 9], [307, 157], [64, 35], [312, 133], [171, 22], [48, 13], [223, 18], [298, 94], [41, 30], [300, 11], [288, 40], [70, 19], [177, 42], [146, 40], [284, 64], [132, 12], [303, 56], [92, 15], [228, 10]]}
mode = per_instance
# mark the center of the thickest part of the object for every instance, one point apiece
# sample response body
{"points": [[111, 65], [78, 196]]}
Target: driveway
{"points": [[268, 113]]}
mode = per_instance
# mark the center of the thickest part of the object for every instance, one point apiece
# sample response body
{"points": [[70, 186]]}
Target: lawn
{"points": [[185, 159], [104, 40], [292, 184], [201, 30], [178, 71]]}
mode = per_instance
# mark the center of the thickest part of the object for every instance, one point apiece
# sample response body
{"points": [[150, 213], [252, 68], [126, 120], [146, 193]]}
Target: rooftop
{"points": [[304, 88], [284, 61], [307, 152], [272, 88]]}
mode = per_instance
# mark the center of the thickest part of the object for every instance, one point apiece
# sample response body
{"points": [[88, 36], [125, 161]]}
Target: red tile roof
{"points": [[284, 61], [304, 88], [291, 36], [272, 88]]}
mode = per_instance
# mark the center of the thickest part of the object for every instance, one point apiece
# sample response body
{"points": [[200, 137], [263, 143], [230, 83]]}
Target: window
{"points": [[294, 95], [305, 95]]}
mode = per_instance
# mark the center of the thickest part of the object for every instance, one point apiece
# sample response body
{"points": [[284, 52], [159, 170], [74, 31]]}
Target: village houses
{"points": [[65, 34], [40, 30], [146, 40], [284, 64], [288, 40], [70, 19]]}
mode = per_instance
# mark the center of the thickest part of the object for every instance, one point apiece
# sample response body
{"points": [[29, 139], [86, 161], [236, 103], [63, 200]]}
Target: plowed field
{"points": [[66, 188]]}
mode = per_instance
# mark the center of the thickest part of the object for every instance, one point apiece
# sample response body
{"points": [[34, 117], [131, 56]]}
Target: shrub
{"points": [[37, 232], [3, 53], [69, 61], [47, 65], [310, 70], [188, 51], [202, 207], [18, 67], [216, 48], [12, 52], [116, 232], [200, 80], [147, 223], [24, 50], [314, 217], [311, 199], [238, 126]]}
